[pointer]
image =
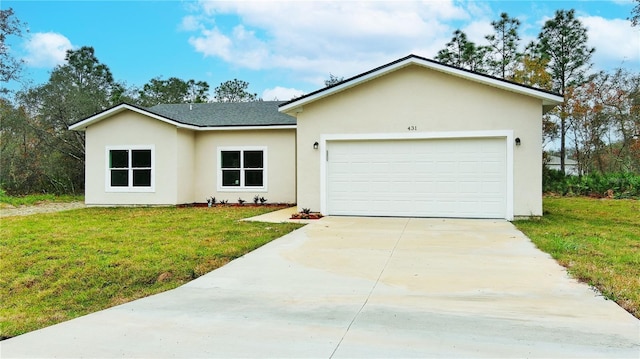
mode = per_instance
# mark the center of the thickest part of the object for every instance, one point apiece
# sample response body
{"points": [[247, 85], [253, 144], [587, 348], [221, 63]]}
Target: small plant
{"points": [[224, 201], [211, 201], [241, 201], [262, 200], [256, 199], [306, 213]]}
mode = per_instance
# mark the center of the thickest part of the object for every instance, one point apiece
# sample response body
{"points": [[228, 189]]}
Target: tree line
{"points": [[37, 151], [598, 124]]}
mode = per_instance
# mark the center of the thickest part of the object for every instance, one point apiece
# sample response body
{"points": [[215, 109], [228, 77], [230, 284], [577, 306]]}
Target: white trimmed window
{"points": [[242, 168], [130, 169]]}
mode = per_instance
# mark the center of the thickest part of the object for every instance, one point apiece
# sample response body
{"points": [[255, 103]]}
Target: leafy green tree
{"points": [[503, 54], [531, 70], [9, 66], [20, 161], [173, 90], [588, 123], [333, 79], [461, 52], [621, 99], [563, 41], [454, 51], [81, 87], [605, 119], [234, 91]]}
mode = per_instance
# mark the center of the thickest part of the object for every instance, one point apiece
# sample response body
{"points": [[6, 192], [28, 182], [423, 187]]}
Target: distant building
{"points": [[570, 166]]}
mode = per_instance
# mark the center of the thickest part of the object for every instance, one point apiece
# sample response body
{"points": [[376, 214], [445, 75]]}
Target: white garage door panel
{"points": [[425, 178]]}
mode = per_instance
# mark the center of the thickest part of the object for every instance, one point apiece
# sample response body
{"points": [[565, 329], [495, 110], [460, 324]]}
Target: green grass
{"points": [[58, 266], [33, 199], [598, 240]]}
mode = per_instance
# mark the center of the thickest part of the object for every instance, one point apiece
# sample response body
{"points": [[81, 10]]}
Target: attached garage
{"points": [[441, 177], [417, 138]]}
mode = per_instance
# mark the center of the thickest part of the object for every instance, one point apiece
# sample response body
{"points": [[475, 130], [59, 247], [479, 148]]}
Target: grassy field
{"points": [[58, 266], [33, 199], [598, 240]]}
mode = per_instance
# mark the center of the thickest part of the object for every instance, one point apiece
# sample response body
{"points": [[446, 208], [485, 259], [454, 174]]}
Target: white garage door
{"points": [[463, 178]]}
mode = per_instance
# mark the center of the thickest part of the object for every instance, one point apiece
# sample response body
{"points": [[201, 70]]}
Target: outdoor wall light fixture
{"points": [[518, 141], [315, 145]]}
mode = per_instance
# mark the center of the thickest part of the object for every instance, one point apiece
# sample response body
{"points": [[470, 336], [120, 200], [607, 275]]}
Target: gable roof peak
{"points": [[549, 99]]}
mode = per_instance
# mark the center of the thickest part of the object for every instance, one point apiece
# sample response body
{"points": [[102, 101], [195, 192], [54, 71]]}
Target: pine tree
{"points": [[503, 54], [563, 42]]}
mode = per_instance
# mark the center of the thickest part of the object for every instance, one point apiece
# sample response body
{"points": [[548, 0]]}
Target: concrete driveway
{"points": [[363, 287]]}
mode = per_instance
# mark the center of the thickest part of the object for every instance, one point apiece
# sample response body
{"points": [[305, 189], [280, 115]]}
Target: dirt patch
{"points": [[40, 208]]}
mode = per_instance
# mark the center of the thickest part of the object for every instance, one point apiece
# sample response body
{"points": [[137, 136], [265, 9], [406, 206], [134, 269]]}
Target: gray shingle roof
{"points": [[224, 114]]}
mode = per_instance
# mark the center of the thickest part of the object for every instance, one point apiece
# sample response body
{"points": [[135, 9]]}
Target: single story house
{"points": [[413, 137]]}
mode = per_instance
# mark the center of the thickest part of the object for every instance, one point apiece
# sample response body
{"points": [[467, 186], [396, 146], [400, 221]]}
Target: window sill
{"points": [[130, 190], [242, 189]]}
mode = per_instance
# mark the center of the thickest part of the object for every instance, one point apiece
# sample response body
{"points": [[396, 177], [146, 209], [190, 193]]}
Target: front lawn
{"points": [[34, 199], [598, 240], [58, 266]]}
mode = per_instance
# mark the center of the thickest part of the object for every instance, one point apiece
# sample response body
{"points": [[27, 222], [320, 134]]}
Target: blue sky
{"points": [[285, 48]]}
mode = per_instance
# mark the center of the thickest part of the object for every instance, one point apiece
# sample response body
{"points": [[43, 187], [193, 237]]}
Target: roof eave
{"points": [[82, 125], [247, 128]]}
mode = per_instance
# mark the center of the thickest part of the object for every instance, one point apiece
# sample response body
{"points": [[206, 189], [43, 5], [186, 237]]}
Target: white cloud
{"points": [[281, 94], [46, 49], [311, 39], [189, 23], [477, 30], [212, 43], [240, 41], [616, 42], [314, 38]]}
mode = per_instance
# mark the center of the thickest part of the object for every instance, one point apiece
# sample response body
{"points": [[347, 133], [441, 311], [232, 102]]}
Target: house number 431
{"points": [[412, 128]]}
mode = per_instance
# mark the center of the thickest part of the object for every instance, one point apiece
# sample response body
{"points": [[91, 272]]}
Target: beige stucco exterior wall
{"points": [[281, 161], [185, 166], [130, 128], [185, 161], [432, 102]]}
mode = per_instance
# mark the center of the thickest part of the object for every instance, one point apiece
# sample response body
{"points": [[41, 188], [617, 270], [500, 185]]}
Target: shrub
{"points": [[553, 181], [615, 185]]}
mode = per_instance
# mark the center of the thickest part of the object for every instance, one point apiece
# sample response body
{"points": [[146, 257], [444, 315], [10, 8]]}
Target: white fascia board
{"points": [[82, 125], [547, 98], [245, 128]]}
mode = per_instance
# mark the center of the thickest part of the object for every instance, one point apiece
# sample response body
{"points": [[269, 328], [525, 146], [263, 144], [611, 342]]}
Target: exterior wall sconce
{"points": [[518, 141], [315, 145]]}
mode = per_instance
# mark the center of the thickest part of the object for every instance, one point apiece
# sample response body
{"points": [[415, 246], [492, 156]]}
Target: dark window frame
{"points": [[133, 170], [245, 169]]}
